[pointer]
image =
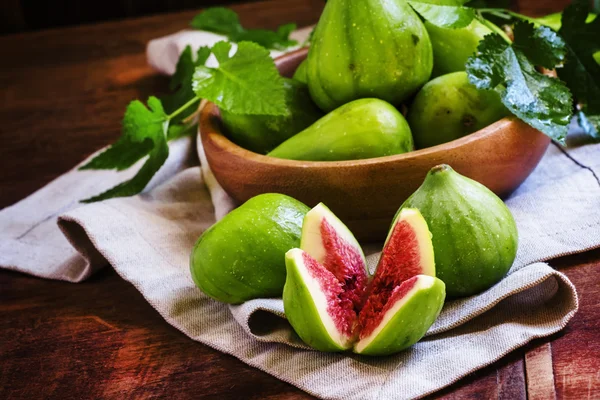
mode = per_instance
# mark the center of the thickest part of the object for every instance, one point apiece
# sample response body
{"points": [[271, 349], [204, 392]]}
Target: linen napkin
{"points": [[147, 240]]}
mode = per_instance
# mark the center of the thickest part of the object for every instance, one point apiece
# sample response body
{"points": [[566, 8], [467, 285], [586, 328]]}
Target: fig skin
{"points": [[452, 47], [450, 107], [410, 323], [241, 257], [368, 48], [474, 234], [364, 128], [302, 313], [316, 243], [262, 133]]}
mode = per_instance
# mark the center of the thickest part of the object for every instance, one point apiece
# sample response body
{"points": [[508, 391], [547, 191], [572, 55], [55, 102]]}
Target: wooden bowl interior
{"points": [[288, 63]]}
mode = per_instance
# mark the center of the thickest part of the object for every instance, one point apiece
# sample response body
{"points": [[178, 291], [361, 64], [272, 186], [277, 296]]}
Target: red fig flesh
{"points": [[327, 282]]}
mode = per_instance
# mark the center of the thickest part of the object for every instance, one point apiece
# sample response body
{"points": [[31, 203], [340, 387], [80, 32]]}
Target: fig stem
{"points": [[440, 168]]}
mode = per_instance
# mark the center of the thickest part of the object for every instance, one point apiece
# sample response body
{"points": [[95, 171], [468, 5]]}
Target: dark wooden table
{"points": [[62, 96]]}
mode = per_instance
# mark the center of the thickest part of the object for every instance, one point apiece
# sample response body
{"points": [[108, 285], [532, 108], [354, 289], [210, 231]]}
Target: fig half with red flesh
{"points": [[326, 281], [333, 305]]}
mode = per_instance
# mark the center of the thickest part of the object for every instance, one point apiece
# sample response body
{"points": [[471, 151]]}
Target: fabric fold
{"points": [[148, 238], [262, 318], [533, 301]]}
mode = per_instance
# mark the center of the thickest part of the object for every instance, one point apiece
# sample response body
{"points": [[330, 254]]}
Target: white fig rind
{"points": [[320, 301]]}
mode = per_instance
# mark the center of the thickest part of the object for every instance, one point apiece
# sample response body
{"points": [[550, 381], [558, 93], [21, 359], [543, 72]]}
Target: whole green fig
{"points": [[452, 47], [449, 107], [364, 128], [242, 257], [474, 233], [262, 133], [301, 74], [367, 48]]}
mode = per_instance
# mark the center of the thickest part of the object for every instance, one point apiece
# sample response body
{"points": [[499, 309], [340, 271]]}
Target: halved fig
{"points": [[389, 325], [312, 300], [327, 281], [408, 250], [404, 281], [326, 239]]}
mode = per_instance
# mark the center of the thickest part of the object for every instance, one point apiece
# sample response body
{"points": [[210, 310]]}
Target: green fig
{"points": [[404, 298], [365, 128], [474, 233], [262, 133], [405, 318], [241, 257], [450, 107], [301, 74], [367, 48], [551, 20], [452, 47], [330, 302], [317, 274]]}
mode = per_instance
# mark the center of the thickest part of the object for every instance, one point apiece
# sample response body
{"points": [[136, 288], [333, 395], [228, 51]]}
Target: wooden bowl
{"points": [[366, 194]]}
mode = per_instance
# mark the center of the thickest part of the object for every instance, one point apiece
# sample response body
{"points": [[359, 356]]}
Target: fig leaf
{"points": [[543, 102], [226, 22], [246, 83], [581, 71], [444, 13], [143, 128]]}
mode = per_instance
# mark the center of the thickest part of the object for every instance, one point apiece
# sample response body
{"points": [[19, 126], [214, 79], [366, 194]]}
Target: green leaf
{"points": [[247, 83], [218, 20], [285, 30], [141, 125], [543, 102], [542, 45], [181, 130], [121, 155], [279, 40], [226, 22], [181, 82], [186, 66], [444, 13], [581, 71], [221, 51]]}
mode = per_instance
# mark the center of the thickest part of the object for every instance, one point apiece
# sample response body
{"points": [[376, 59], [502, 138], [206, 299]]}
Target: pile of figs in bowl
{"points": [[366, 192], [386, 141]]}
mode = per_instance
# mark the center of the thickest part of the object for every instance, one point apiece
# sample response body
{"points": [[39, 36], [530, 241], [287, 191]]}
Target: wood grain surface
{"points": [[62, 96]]}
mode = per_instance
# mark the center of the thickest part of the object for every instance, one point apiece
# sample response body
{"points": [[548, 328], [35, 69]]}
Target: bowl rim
{"points": [[210, 128]]}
